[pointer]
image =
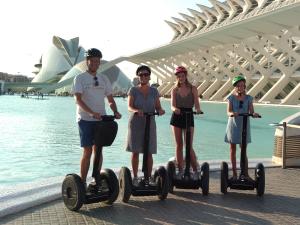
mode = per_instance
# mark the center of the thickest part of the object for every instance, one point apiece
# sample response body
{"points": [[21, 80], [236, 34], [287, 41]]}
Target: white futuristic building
{"points": [[257, 38], [64, 59]]}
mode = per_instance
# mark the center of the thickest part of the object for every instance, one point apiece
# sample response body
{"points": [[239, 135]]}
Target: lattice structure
{"points": [[257, 38]]}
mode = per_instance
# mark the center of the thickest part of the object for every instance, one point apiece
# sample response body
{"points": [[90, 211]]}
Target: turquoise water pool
{"points": [[39, 138]]}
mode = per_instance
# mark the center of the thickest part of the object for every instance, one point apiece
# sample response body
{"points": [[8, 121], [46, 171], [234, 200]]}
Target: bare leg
{"points": [[85, 162], [135, 163], [179, 146], [233, 158], [193, 160]]}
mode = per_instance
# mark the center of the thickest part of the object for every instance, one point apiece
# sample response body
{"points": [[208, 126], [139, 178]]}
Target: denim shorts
{"points": [[87, 132]]}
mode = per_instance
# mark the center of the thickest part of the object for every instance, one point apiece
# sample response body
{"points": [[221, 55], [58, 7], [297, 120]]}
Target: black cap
{"points": [[93, 52]]}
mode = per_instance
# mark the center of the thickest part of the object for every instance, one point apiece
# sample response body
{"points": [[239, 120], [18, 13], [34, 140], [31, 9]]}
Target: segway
{"points": [[158, 187], [243, 182], [105, 188], [186, 182]]}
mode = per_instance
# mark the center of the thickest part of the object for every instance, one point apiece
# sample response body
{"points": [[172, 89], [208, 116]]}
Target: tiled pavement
{"points": [[279, 205]]}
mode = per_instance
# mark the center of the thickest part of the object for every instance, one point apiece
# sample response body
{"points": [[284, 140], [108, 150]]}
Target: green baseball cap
{"points": [[236, 79]]}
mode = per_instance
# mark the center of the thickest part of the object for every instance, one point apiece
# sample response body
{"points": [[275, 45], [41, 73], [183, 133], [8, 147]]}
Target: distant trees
{"points": [[14, 78]]}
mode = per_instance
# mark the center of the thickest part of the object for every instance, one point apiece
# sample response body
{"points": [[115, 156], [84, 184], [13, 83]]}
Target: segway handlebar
{"points": [[276, 124], [149, 113], [108, 118], [194, 112], [198, 113], [247, 114]]}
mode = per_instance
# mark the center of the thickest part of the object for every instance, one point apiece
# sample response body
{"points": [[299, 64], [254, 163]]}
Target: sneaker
{"points": [[196, 175], [179, 175], [135, 181], [93, 187], [246, 178], [152, 181]]}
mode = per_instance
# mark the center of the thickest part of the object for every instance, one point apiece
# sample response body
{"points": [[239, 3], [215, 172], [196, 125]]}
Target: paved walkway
{"points": [[279, 205]]}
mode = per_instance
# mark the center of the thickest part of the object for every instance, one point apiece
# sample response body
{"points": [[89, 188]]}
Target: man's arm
{"points": [[113, 106]]}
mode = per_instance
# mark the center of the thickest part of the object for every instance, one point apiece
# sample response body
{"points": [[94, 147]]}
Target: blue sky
{"points": [[116, 27]]}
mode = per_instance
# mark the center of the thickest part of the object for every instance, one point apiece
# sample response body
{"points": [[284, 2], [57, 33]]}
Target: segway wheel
{"points": [[171, 174], [260, 179], [205, 178], [125, 182], [162, 183], [113, 185], [73, 192], [224, 177]]}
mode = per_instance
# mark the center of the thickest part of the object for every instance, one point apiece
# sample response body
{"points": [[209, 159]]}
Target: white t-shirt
{"points": [[92, 95]]}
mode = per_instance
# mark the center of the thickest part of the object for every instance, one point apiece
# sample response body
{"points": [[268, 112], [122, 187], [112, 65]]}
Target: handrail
{"points": [[293, 126], [288, 125]]}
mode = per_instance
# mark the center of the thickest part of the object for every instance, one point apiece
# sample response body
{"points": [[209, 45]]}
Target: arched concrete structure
{"points": [[259, 39]]}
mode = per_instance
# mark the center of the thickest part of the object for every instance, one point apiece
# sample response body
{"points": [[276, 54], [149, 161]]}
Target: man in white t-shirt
{"points": [[90, 89]]}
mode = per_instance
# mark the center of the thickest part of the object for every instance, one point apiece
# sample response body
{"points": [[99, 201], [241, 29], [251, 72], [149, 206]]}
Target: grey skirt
{"points": [[136, 133]]}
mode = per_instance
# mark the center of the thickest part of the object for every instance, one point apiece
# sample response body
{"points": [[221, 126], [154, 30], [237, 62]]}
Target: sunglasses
{"points": [[144, 74], [180, 74], [96, 81], [241, 104]]}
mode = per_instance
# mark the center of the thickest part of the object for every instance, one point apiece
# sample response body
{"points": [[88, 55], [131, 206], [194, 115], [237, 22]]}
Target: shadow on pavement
{"points": [[172, 211]]}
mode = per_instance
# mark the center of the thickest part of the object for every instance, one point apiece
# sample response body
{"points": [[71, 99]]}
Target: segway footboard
{"points": [[99, 196], [187, 183], [148, 190], [239, 184], [159, 187], [106, 192]]}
